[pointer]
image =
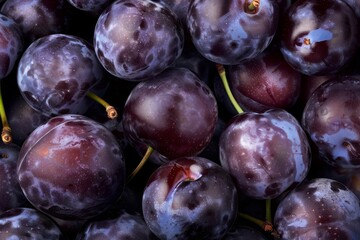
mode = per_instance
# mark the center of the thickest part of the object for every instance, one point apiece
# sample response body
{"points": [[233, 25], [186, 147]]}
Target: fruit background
{"points": [[177, 119]]}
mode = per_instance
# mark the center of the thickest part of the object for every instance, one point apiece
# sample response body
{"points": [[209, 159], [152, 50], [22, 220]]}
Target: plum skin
{"points": [[190, 198], [266, 153], [320, 208], [71, 167]]}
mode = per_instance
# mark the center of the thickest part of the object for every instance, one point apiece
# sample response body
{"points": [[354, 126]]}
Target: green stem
{"points": [[252, 219], [221, 70], [148, 152], [111, 111], [268, 210], [6, 130]]}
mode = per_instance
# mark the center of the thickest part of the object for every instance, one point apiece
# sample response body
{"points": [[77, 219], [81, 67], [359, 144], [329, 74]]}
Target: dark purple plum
{"points": [[71, 167], [228, 32], [11, 195], [190, 198], [126, 226], [319, 37], [56, 72], [28, 223], [264, 82], [266, 153], [137, 39], [175, 113], [355, 5], [321, 208], [37, 18], [331, 119], [92, 6], [11, 45]]}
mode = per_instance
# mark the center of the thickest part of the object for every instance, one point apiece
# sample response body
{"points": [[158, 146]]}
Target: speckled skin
{"points": [[56, 72], [71, 167], [266, 153], [320, 209], [175, 113], [190, 198], [124, 227], [28, 223], [11, 45], [331, 118], [223, 32], [11, 194], [333, 31], [37, 18], [137, 39]]}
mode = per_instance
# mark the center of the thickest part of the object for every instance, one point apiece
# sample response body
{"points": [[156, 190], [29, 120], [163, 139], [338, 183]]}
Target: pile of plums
{"points": [[180, 120]]}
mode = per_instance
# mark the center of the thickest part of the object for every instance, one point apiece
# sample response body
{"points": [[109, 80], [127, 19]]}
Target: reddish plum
{"points": [[175, 113], [71, 167]]}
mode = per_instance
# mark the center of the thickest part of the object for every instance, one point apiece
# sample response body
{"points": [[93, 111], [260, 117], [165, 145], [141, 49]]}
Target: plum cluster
{"points": [[188, 120]]}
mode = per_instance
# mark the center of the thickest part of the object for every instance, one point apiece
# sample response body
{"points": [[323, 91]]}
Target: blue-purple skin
{"points": [[137, 39], [126, 226], [319, 37], [266, 153], [71, 167], [11, 45], [28, 223], [190, 198], [331, 119], [56, 72], [321, 208], [225, 32]]}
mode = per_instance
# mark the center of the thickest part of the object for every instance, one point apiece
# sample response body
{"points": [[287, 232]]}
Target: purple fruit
{"points": [[190, 198], [137, 39], [71, 167], [321, 208], [266, 153]]}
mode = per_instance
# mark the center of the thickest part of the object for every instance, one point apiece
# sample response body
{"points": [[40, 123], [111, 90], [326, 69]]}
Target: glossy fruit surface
{"points": [[129, 226], [227, 32], [319, 209], [56, 72], [331, 118], [71, 167], [319, 37], [175, 113], [28, 223], [136, 39], [266, 153], [190, 198]]}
